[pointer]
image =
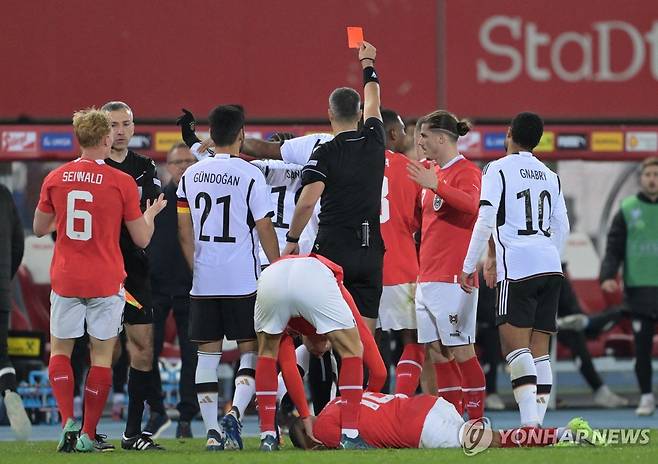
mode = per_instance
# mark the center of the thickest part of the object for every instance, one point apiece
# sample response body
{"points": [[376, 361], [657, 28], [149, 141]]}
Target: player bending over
{"points": [[309, 287]]}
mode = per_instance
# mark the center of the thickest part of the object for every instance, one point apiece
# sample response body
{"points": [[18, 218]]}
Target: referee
{"points": [[347, 173]]}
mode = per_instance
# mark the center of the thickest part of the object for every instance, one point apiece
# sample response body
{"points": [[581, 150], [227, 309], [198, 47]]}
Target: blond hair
{"points": [[90, 126]]}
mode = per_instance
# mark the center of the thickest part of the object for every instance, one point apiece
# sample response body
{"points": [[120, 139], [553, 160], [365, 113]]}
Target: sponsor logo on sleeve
{"points": [[469, 142], [56, 141], [547, 142], [494, 141], [571, 142], [140, 141], [19, 141], [607, 141], [641, 141], [165, 140]]}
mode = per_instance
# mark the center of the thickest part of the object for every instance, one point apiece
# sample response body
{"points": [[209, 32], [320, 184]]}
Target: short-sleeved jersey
{"points": [[225, 196], [446, 230], [385, 421], [352, 168], [299, 149], [284, 181], [526, 195], [400, 219], [89, 200]]}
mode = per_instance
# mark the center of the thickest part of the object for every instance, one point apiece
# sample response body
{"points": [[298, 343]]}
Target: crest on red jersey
{"points": [[438, 202]]}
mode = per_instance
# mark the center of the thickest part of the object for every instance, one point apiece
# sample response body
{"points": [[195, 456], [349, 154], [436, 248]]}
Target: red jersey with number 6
{"points": [[449, 214], [399, 219], [89, 200], [385, 421]]}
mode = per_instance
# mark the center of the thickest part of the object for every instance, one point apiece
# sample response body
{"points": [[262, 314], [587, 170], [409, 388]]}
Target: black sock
{"points": [[139, 383], [154, 395]]}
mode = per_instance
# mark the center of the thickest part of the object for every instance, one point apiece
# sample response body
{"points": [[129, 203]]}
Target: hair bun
{"points": [[463, 127]]}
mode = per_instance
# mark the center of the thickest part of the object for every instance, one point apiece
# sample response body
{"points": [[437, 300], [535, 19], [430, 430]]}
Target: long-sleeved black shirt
{"points": [[12, 244]]}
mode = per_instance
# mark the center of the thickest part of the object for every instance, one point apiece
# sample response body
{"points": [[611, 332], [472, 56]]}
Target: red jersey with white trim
{"points": [[89, 200], [449, 215], [400, 219], [385, 421]]}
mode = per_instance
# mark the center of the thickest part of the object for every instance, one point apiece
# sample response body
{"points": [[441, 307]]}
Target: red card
{"points": [[354, 37]]}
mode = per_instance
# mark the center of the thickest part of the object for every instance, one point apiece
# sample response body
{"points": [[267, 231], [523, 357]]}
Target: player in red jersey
{"points": [[400, 219], [446, 314], [310, 287], [425, 421], [85, 201]]}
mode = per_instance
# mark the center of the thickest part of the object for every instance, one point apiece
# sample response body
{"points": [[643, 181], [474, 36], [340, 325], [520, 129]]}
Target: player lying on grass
{"points": [[310, 287], [422, 421]]}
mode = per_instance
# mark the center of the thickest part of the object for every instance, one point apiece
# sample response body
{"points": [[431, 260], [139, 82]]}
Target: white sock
{"points": [[245, 382], [303, 358], [351, 433], [207, 387], [524, 382], [544, 384], [281, 389]]}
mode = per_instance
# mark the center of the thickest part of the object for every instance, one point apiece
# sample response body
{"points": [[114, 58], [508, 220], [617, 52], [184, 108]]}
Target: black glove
{"points": [[187, 125], [281, 137]]}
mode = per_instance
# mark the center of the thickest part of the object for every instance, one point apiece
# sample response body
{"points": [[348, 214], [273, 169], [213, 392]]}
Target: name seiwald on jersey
{"points": [[529, 202], [225, 195]]}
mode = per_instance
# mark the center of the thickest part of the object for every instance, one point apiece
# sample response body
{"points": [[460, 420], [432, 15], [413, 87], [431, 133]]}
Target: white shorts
{"points": [[441, 426], [397, 307], [300, 287], [445, 312], [104, 316]]}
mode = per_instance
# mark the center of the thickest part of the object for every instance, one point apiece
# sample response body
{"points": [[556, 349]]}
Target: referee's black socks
{"points": [[139, 384]]}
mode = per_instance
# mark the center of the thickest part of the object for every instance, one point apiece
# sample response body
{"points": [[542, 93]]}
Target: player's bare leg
{"points": [[448, 375], [60, 374], [97, 387], [266, 388], [515, 344], [348, 345], [539, 346], [410, 366], [207, 390], [370, 323]]}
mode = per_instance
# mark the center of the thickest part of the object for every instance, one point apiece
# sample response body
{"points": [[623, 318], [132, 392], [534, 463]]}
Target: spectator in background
{"points": [[11, 255], [171, 281], [633, 241]]}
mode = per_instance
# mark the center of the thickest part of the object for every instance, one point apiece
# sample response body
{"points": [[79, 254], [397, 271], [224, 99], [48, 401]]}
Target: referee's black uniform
{"points": [[352, 168]]}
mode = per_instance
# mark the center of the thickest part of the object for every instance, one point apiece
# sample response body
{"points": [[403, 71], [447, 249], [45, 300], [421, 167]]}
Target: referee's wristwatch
{"points": [[290, 239]]}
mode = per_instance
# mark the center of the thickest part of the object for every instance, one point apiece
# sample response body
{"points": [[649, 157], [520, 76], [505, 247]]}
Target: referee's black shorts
{"points": [[139, 302], [362, 266]]}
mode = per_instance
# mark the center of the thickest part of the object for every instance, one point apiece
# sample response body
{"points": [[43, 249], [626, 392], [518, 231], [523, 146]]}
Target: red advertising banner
{"points": [[563, 59], [278, 59], [484, 142]]}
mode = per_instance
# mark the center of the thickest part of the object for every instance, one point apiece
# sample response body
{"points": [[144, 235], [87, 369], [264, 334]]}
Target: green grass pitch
{"points": [[192, 452]]}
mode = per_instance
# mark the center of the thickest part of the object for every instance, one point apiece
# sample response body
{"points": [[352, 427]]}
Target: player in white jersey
{"points": [[522, 200], [224, 209]]}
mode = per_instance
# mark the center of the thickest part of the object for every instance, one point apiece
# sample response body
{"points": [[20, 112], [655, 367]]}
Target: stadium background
{"points": [[590, 69]]}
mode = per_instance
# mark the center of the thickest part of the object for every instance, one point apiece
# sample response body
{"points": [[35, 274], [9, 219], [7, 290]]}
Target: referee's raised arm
{"points": [[371, 100]]}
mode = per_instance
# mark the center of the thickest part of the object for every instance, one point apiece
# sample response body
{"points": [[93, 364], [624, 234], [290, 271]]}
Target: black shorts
{"points": [[529, 303], [362, 267], [139, 303], [213, 318]]}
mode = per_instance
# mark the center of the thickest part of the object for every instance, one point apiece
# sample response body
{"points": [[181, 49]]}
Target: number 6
{"points": [[72, 214]]}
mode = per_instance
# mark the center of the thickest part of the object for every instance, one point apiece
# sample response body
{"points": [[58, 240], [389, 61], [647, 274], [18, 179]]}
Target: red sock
{"points": [[266, 386], [409, 368], [60, 374], [350, 384], [449, 383], [528, 437], [97, 387], [473, 387]]}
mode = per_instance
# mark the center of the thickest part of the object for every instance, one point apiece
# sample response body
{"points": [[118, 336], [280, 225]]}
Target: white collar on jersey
{"points": [[88, 160], [453, 161], [523, 153], [222, 155]]}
